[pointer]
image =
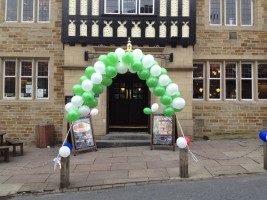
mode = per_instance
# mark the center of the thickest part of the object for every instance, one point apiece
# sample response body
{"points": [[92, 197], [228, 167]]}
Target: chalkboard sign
{"points": [[82, 135], [163, 130]]}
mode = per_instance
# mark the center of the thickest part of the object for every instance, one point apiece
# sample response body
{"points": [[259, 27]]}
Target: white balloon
{"points": [[154, 107], [164, 80], [100, 67], [87, 85], [69, 107], [172, 89], [122, 68], [147, 61], [137, 54], [94, 111], [84, 110], [119, 52], [155, 70], [77, 101], [96, 78], [181, 142], [178, 103], [151, 90], [64, 151]]}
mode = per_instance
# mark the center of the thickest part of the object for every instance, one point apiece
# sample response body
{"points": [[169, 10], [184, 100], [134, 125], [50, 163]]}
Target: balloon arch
{"points": [[107, 67]]}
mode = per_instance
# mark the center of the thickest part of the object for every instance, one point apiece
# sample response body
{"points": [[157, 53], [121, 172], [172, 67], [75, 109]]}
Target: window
{"points": [[246, 12], [11, 10], [43, 10], [215, 12], [230, 80], [262, 81], [27, 10], [26, 79], [230, 12], [198, 81], [129, 7], [246, 80], [215, 81], [9, 79], [42, 79]]}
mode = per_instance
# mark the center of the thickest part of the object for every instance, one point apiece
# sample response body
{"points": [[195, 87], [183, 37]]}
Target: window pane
{"points": [[230, 70], [10, 84], [44, 9], [112, 6], [215, 71], [246, 89], [198, 91], [43, 68], [215, 89], [262, 89], [230, 89], [26, 87], [10, 68], [129, 6], [246, 12], [215, 11], [198, 72], [246, 71], [231, 12], [262, 71], [11, 10], [146, 6], [42, 87], [26, 68], [27, 10]]}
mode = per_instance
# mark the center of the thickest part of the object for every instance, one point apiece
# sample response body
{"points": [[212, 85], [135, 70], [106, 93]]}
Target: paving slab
{"points": [[103, 175], [110, 160], [116, 181], [148, 173], [9, 189], [226, 170], [37, 178], [162, 164], [32, 188], [93, 167], [128, 166], [4, 178]]}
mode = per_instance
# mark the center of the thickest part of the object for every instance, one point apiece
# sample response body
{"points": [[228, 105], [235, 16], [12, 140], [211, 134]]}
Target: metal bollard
{"points": [[184, 163], [65, 172], [265, 155]]}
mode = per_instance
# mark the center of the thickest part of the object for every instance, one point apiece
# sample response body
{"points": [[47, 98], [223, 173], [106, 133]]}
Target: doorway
{"points": [[128, 96]]}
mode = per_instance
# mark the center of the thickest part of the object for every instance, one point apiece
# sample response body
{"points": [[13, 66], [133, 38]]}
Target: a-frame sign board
{"points": [[82, 135], [163, 131]]}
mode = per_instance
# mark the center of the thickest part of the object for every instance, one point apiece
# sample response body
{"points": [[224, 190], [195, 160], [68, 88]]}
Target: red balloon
{"points": [[187, 140]]}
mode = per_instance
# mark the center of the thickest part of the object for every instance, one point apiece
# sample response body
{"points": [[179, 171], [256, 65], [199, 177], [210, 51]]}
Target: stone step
{"points": [[121, 143], [126, 136]]}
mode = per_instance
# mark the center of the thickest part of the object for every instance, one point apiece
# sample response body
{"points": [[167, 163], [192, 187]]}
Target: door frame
{"points": [[107, 110]]}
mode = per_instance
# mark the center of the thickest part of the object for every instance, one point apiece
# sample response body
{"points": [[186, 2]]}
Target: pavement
{"points": [[127, 166]]}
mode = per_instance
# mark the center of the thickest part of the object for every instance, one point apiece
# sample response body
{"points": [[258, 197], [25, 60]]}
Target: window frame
{"points": [[260, 79], [4, 78], [38, 12], [33, 13], [236, 81], [119, 8], [203, 79], [236, 10], [209, 78], [252, 84], [20, 77], [139, 8], [252, 20], [36, 79], [6, 12], [220, 14], [122, 1]]}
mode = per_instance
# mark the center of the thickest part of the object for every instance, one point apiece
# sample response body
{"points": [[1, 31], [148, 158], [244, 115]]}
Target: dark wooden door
{"points": [[128, 96]]}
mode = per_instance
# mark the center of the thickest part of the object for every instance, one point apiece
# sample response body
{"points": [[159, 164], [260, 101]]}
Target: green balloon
{"points": [[106, 81], [77, 90], [93, 103], [166, 99], [105, 60], [178, 94], [137, 66], [169, 111], [163, 71], [113, 58], [155, 63], [98, 89], [111, 72], [178, 110], [89, 71], [147, 111], [73, 115], [127, 58], [87, 96], [144, 74], [82, 78], [159, 91], [152, 82]]}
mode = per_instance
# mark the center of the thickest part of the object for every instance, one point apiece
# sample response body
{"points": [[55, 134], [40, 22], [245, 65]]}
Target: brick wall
{"points": [[33, 40]]}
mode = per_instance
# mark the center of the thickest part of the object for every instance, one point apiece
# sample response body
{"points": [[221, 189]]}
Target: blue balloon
{"points": [[263, 136], [68, 145]]}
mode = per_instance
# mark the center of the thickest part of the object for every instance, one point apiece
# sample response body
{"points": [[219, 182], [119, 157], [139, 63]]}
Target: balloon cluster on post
{"points": [[183, 142], [65, 150]]}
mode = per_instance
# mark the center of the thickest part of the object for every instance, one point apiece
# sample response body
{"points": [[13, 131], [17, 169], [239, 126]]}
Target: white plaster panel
{"points": [[174, 8], [150, 31], [95, 7], [174, 29], [72, 28], [72, 7], [107, 31], [163, 8], [83, 28], [185, 10], [185, 30], [136, 30], [95, 29], [162, 30], [122, 31], [83, 8]]}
